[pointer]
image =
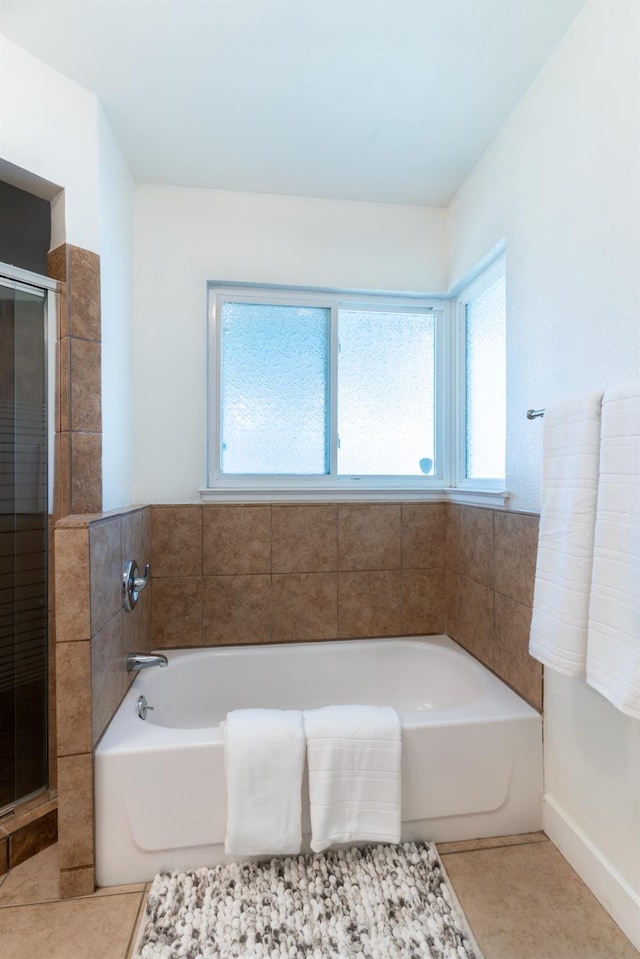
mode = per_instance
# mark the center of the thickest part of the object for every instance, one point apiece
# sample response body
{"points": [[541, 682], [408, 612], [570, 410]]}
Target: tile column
{"points": [[79, 418]]}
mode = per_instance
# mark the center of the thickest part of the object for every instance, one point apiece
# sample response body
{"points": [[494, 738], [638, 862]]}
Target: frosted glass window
{"points": [[275, 389], [486, 383], [385, 393]]}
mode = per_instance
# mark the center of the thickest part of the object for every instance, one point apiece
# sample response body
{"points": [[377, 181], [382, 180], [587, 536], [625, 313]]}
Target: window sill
{"points": [[496, 498], [224, 494]]}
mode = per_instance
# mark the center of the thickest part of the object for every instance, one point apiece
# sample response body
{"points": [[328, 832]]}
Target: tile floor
{"points": [[522, 900]]}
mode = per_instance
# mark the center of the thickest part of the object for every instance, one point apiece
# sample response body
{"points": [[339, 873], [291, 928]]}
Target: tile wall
{"points": [[79, 416], [491, 560], [94, 635], [281, 573], [259, 574]]}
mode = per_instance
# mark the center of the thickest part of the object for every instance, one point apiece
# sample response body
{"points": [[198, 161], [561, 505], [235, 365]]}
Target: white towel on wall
{"points": [[613, 651], [354, 760], [571, 454], [264, 763]]}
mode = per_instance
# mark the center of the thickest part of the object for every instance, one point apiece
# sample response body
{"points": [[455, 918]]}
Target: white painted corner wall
{"points": [[186, 237], [115, 194], [561, 184], [592, 788]]}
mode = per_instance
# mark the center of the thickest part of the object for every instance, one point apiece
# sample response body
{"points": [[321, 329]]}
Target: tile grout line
{"points": [[137, 924], [271, 603], [202, 577], [507, 845], [57, 901]]}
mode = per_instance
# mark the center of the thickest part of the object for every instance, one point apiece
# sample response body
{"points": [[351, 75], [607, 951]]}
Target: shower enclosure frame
{"points": [[13, 277]]}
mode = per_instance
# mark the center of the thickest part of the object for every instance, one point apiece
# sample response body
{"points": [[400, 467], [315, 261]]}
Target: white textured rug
{"points": [[375, 902]]}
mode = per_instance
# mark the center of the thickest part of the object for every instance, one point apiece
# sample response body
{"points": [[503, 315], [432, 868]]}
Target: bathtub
{"points": [[471, 747]]}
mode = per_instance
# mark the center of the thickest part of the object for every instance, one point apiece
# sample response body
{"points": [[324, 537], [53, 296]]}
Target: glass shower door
{"points": [[23, 542]]}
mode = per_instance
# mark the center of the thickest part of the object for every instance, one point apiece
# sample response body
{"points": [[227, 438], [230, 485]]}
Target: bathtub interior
{"points": [[471, 769], [408, 674]]}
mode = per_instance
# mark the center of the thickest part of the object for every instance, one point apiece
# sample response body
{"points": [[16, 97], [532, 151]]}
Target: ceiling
{"points": [[378, 100]]}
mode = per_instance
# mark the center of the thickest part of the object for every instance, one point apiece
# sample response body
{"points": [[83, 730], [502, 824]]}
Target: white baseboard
{"points": [[615, 894]]}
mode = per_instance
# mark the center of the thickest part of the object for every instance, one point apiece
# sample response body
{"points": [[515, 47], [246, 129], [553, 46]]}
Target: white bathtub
{"points": [[472, 748]]}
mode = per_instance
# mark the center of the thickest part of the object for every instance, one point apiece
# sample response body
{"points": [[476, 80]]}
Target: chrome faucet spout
{"points": [[137, 661]]}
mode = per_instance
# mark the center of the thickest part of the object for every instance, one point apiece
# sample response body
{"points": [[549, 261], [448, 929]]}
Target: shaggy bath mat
{"points": [[375, 902]]}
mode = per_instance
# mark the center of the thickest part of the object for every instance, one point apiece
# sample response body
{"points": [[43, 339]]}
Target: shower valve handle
{"points": [[133, 583], [140, 582]]}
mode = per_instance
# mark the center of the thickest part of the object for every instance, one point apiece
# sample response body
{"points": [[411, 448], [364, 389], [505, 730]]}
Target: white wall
{"points": [[48, 128], [561, 182], [116, 190], [185, 237]]}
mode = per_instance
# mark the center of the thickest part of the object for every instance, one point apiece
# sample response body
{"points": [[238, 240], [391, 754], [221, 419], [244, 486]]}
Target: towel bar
{"points": [[534, 414]]}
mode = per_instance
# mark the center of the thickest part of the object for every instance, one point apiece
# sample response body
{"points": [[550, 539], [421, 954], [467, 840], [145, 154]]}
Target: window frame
{"points": [[481, 281], [223, 484]]}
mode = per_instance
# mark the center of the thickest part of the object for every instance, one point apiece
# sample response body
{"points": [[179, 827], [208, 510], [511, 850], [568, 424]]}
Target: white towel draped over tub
{"points": [[571, 455], [264, 763], [613, 651], [354, 762]]}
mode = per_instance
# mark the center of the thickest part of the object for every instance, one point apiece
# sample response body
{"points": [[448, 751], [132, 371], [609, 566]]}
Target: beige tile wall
{"points": [[93, 636], [490, 574], [279, 573], [79, 414], [78, 421]]}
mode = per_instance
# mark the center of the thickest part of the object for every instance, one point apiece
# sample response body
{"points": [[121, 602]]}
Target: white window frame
{"points": [[221, 485], [450, 484], [464, 484]]}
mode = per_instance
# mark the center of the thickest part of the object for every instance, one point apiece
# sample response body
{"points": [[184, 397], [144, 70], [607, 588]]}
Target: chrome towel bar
{"points": [[534, 414]]}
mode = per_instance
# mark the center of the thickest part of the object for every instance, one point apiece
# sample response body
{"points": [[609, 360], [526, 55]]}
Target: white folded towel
{"points": [[354, 762], [571, 454], [264, 763], [613, 650]]}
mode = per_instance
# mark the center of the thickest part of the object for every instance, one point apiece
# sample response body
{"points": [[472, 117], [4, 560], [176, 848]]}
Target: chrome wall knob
{"points": [[133, 583]]}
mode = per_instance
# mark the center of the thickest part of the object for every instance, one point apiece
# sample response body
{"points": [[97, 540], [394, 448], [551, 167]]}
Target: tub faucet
{"points": [[143, 660]]}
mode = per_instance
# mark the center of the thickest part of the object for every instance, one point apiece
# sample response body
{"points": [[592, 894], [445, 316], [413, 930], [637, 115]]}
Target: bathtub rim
{"points": [[127, 733]]}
